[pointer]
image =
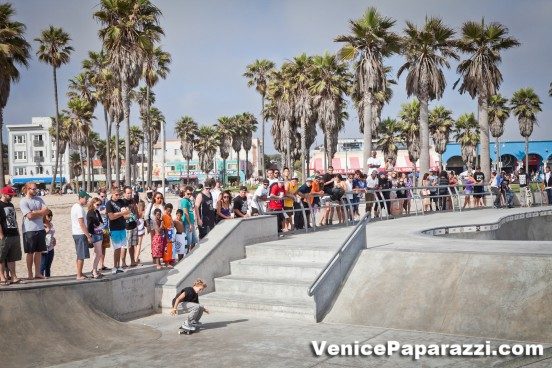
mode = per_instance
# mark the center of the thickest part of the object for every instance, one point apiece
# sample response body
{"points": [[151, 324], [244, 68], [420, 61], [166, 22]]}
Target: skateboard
{"points": [[186, 331]]}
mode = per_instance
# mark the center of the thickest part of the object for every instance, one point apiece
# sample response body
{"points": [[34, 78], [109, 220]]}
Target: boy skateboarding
{"points": [[190, 303]]}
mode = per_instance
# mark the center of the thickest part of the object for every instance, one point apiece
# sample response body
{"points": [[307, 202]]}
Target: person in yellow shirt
{"points": [[291, 188]]}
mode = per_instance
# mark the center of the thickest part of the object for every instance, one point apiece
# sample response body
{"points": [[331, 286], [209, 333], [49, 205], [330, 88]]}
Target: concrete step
{"points": [[301, 271], [258, 306], [262, 287], [295, 252]]}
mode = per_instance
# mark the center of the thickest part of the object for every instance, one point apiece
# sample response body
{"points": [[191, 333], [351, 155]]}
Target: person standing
{"points": [[259, 198], [187, 206], [479, 187], [131, 228], [79, 229], [523, 192], [204, 210], [372, 184], [276, 194], [304, 194], [117, 214], [548, 184], [10, 243], [374, 162], [240, 203], [48, 257], [105, 238], [33, 209], [95, 228]]}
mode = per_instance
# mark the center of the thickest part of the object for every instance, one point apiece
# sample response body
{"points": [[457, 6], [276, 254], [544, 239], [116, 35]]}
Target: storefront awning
{"points": [[20, 180]]}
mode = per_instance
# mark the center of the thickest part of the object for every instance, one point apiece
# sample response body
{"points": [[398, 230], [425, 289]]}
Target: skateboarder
{"points": [[190, 303]]}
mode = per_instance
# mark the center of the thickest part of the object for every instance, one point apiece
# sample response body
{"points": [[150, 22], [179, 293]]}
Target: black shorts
{"points": [[255, 211], [10, 249], [34, 241]]}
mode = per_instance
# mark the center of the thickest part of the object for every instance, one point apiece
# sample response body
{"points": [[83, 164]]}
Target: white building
{"points": [[31, 153]]}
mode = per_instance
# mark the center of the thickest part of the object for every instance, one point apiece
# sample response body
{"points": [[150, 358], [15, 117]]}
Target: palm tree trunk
{"points": [[485, 161], [527, 156], [2, 181], [325, 154], [367, 135], [303, 146], [424, 135], [188, 171], [246, 165], [117, 162], [150, 160], [108, 150], [57, 132], [142, 182], [88, 165], [126, 113], [262, 136], [81, 155], [60, 172], [223, 171], [497, 149], [239, 176], [288, 148], [92, 176]]}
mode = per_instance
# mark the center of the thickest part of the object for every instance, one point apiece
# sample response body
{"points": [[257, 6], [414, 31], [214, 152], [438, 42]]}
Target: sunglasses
{"points": [[189, 193], [225, 196]]}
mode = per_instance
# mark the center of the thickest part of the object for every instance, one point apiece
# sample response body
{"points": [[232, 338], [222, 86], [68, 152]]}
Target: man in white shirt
{"points": [[259, 198], [215, 192], [374, 162], [372, 183], [79, 229], [548, 184], [271, 177]]}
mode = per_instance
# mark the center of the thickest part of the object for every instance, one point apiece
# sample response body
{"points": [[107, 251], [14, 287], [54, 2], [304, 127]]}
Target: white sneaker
{"points": [[197, 324], [187, 326]]}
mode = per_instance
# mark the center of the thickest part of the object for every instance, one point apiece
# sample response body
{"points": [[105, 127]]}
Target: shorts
{"points": [[10, 249], [131, 238], [191, 236], [180, 244], [81, 246], [97, 238], [289, 211], [118, 238], [34, 241], [141, 227]]}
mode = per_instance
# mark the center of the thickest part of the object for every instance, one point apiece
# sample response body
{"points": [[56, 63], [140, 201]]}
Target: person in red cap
{"points": [[10, 244]]}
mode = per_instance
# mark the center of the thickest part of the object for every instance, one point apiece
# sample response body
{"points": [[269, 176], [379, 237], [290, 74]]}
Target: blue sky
{"points": [[211, 42]]}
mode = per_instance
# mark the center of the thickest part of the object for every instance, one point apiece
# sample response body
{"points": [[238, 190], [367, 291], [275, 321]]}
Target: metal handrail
{"points": [[363, 221]]}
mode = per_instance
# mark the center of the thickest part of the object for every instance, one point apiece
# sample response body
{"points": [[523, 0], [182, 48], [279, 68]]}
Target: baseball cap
{"points": [[309, 178], [8, 191], [83, 194]]}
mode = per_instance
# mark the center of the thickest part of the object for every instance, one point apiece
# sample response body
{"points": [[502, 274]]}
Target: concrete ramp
{"points": [[45, 326], [489, 295]]}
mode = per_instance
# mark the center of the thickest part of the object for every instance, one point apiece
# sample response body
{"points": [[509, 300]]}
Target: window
{"points": [[176, 152], [38, 137], [19, 155], [19, 139], [20, 171], [173, 168], [231, 166], [192, 167], [39, 153], [40, 170]]}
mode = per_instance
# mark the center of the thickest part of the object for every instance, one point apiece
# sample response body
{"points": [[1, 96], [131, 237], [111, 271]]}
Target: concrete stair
{"points": [[274, 278]]}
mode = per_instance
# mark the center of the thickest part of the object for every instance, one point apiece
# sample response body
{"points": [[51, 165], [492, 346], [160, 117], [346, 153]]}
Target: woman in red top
{"points": [[276, 194]]}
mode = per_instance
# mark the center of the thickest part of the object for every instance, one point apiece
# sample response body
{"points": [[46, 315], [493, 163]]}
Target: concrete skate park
{"points": [[453, 277]]}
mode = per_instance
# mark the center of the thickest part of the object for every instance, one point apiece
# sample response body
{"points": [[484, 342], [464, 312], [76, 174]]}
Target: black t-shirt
{"points": [[327, 177], [304, 189], [93, 219], [131, 221], [113, 207], [479, 178], [241, 205], [7, 219], [190, 295], [505, 184], [206, 210]]}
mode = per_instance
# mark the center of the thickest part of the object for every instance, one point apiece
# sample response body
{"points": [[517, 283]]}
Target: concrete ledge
{"points": [[224, 244]]}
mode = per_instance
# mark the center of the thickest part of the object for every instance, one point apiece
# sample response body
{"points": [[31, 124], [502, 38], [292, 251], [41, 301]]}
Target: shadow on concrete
{"points": [[221, 324]]}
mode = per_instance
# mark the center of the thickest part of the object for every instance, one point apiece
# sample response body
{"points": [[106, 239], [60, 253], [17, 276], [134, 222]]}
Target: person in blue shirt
{"points": [[359, 186]]}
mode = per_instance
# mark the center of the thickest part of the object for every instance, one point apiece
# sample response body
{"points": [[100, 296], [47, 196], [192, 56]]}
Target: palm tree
{"points": [[257, 75], [75, 168], [525, 106], [498, 114], [371, 40], [155, 120], [440, 125], [237, 138], [136, 137], [206, 146], [145, 99], [467, 134], [249, 127], [54, 49], [65, 134], [131, 28], [427, 51], [14, 52], [480, 74], [93, 144], [409, 126], [186, 130], [225, 130], [330, 83], [80, 115], [389, 139]]}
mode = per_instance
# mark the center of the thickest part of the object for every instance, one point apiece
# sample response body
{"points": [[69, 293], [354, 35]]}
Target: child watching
{"points": [[158, 238], [180, 239], [169, 235], [141, 229], [48, 256]]}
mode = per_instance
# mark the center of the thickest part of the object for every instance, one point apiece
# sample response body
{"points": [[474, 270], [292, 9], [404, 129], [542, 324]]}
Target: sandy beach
{"points": [[65, 256]]}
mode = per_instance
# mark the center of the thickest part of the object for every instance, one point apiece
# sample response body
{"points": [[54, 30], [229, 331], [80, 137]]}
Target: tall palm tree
{"points": [[480, 74], [389, 139], [427, 51], [440, 126], [225, 130], [136, 137], [186, 130], [131, 28], [155, 120], [93, 145], [409, 126], [14, 53], [145, 99], [370, 41], [498, 114], [249, 127], [525, 106], [65, 135], [80, 115], [330, 83], [54, 49], [299, 70], [206, 146], [258, 74], [237, 138], [75, 168], [467, 134]]}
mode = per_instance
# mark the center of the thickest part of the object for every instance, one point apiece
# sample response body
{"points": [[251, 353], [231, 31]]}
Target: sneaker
{"points": [[120, 270], [197, 324], [186, 326]]}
